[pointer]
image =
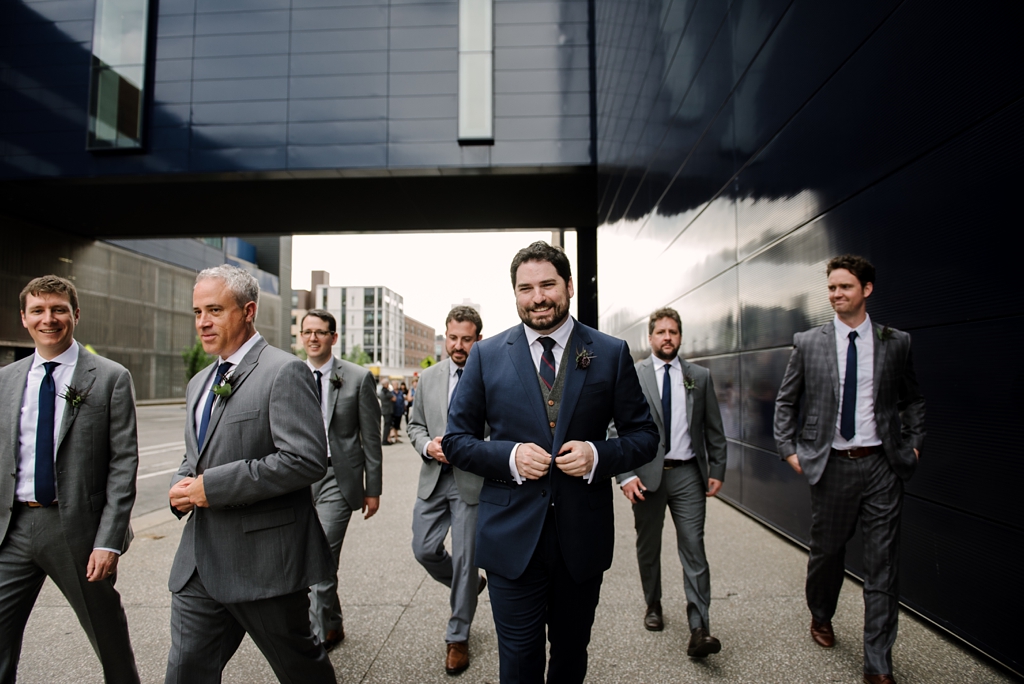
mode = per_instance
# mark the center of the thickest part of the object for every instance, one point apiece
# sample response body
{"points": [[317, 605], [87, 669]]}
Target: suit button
{"points": [[551, 402], [543, 492], [551, 424]]}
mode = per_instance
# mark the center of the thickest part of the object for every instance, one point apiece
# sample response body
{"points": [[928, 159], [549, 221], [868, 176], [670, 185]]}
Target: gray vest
{"points": [[553, 397]]}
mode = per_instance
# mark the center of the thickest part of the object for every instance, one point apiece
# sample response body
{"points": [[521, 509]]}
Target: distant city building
{"points": [[372, 318], [419, 342], [439, 350]]}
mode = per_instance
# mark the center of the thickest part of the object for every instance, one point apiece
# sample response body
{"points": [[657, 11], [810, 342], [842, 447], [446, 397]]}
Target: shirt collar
{"points": [[658, 363], [843, 330], [68, 359], [452, 369], [324, 369], [237, 357], [560, 336]]}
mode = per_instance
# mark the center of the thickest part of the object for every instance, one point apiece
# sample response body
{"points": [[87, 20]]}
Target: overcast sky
{"points": [[431, 271]]}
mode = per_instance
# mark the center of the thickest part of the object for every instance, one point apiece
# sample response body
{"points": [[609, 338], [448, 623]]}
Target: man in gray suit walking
{"points": [[447, 496], [69, 440], [688, 469], [253, 545], [351, 416], [857, 441]]}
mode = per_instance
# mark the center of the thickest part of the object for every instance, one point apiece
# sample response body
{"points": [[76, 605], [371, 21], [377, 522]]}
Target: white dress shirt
{"points": [[325, 372], [866, 433], [234, 360], [679, 440], [561, 337], [26, 485]]}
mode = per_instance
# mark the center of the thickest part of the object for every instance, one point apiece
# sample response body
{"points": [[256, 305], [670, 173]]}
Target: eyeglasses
{"points": [[316, 333]]}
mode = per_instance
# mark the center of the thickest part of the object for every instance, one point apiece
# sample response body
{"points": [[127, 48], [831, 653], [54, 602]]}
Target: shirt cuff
{"points": [[589, 477], [104, 548], [512, 464], [627, 481]]}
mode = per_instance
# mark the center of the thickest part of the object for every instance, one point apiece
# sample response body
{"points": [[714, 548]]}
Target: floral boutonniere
{"points": [[584, 357], [688, 382], [74, 396], [336, 381], [224, 388], [885, 333]]}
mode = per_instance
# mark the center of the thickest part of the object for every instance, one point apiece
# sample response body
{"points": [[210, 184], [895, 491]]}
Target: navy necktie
{"points": [[46, 490], [848, 419], [666, 406], [204, 422], [547, 362], [319, 387]]}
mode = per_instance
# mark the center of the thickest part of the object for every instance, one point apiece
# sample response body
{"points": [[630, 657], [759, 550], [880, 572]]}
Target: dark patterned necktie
{"points": [[848, 419], [666, 406], [547, 362], [46, 489], [319, 387]]}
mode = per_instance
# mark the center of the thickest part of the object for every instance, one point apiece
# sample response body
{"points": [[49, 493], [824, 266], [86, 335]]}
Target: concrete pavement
{"points": [[395, 614]]}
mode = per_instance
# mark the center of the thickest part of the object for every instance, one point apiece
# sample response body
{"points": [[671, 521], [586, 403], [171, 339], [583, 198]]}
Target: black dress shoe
{"points": [[702, 644], [653, 619], [333, 638]]}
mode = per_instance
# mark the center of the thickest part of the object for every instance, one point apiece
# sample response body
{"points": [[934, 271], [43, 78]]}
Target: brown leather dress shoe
{"points": [[822, 633], [333, 638], [879, 679], [702, 644], [457, 659], [653, 619]]}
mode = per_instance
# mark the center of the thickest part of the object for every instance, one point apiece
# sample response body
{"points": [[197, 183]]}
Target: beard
{"points": [[666, 356], [559, 312]]}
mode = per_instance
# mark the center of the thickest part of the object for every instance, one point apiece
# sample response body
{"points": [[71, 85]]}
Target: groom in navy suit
{"points": [[547, 389]]}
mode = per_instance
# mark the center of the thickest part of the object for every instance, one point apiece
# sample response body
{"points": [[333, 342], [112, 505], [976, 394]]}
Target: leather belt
{"points": [[671, 463], [31, 504], [859, 452]]}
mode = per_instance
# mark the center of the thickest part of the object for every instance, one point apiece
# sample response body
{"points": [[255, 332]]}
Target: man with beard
{"points": [[447, 497], [547, 389], [687, 469]]}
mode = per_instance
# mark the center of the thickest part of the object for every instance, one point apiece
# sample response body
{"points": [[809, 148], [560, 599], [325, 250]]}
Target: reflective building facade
{"points": [[711, 155]]}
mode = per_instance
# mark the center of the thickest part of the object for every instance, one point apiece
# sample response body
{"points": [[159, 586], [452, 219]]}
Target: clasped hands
{"points": [[575, 459], [187, 493]]}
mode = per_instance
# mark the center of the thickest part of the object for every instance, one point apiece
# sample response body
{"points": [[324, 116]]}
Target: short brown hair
{"points": [[461, 314], [664, 312], [50, 284], [860, 267], [542, 251], [325, 316]]}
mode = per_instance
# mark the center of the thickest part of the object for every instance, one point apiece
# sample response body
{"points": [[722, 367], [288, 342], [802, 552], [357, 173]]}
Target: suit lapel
{"points": [[574, 378], [332, 392], [16, 388], [828, 332], [519, 351], [248, 363], [649, 381], [82, 379], [440, 392], [880, 347]]}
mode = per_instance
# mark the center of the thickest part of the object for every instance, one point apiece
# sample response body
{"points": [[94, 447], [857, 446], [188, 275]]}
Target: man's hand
{"points": [[634, 490], [714, 485], [179, 495], [434, 450], [794, 463], [101, 565], [917, 454], [197, 493], [576, 458], [370, 506], [532, 462]]}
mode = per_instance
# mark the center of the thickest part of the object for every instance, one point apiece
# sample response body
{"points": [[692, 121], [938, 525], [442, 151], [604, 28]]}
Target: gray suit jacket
{"points": [[265, 446], [353, 431], [429, 420], [97, 454], [813, 373], [703, 418]]}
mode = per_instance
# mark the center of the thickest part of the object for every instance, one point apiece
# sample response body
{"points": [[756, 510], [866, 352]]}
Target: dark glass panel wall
{"points": [[118, 74], [740, 145]]}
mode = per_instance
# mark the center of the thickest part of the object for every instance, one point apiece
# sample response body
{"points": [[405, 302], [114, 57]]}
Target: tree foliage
{"points": [[358, 356], [196, 359]]}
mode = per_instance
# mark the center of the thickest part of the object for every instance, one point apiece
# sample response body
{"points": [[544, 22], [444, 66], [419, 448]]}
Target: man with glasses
{"points": [[349, 406]]}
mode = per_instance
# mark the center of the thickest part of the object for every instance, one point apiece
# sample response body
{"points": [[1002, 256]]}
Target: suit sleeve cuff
{"points": [[104, 548], [627, 480]]}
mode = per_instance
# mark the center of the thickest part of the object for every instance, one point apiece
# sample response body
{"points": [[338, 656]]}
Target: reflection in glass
{"points": [[118, 71], [476, 71]]}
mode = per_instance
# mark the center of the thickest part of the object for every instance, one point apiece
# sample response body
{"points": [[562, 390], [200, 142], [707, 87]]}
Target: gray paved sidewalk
{"points": [[395, 614]]}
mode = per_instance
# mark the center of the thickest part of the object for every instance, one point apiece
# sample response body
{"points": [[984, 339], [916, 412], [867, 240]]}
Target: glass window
{"points": [[476, 71], [118, 72]]}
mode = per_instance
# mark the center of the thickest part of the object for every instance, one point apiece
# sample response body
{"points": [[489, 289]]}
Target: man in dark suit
{"points": [[351, 416], [688, 469], [548, 390], [857, 442], [447, 498], [69, 441], [253, 545]]}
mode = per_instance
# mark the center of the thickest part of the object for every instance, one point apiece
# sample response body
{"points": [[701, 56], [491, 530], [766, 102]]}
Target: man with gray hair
{"points": [[253, 545]]}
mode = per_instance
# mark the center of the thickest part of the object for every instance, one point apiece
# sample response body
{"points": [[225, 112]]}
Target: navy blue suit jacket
{"points": [[500, 388]]}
